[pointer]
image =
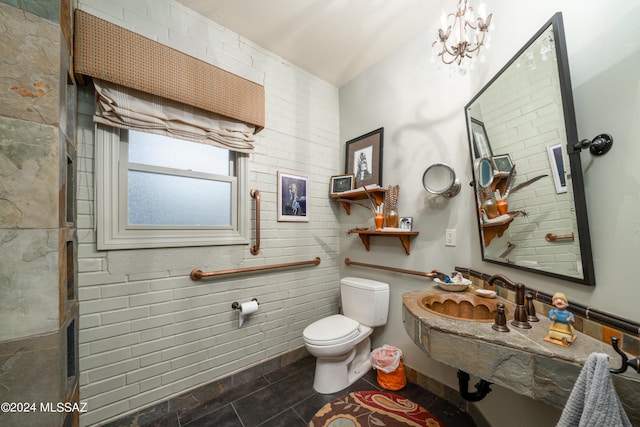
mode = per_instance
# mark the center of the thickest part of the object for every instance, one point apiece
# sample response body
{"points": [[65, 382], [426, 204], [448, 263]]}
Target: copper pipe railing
{"points": [[255, 249], [198, 274], [552, 237], [431, 275]]}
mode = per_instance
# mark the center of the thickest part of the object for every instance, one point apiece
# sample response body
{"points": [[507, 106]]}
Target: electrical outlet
{"points": [[450, 237]]}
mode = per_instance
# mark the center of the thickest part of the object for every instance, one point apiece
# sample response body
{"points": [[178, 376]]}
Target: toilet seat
{"points": [[332, 330]]}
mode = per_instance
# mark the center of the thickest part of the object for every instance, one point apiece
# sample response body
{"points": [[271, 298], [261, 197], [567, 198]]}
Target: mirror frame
{"points": [[575, 165]]}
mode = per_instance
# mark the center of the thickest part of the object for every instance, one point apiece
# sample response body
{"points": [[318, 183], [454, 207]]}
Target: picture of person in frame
{"points": [[362, 164]]}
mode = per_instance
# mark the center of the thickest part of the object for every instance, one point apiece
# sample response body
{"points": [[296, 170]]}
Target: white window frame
{"points": [[113, 231]]}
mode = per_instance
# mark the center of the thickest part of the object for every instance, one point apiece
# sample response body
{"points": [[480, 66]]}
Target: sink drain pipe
{"points": [[482, 388]]}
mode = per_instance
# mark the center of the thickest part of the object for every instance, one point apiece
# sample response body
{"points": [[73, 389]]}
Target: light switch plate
{"points": [[450, 237]]}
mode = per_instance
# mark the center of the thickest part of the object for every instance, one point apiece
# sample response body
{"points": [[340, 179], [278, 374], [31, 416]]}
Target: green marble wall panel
{"points": [[29, 66], [29, 171], [48, 9], [29, 294]]}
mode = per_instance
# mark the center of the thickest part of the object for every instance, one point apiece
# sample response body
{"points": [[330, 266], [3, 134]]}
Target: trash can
{"points": [[387, 361]]}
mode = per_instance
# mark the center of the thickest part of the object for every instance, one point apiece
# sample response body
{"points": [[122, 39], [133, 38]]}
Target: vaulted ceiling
{"points": [[332, 39]]}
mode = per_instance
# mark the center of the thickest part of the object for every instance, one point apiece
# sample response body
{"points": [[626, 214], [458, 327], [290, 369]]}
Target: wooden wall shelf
{"points": [[377, 194], [494, 229], [404, 237]]}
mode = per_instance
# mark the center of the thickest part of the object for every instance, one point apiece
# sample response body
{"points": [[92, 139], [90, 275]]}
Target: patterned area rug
{"points": [[373, 409]]}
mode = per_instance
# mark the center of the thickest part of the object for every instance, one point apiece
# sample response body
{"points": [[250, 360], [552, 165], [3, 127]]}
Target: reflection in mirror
{"points": [[520, 126], [440, 179], [484, 172]]}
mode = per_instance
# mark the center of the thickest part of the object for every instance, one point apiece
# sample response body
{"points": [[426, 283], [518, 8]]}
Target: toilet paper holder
{"points": [[236, 305], [239, 307]]}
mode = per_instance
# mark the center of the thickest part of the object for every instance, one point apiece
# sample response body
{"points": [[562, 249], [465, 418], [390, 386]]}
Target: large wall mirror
{"points": [[527, 175]]}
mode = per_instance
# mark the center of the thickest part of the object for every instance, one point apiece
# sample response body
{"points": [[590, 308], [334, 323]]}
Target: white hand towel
{"points": [[593, 402]]}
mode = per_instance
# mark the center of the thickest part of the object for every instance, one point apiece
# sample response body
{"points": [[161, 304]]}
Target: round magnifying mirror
{"points": [[484, 172], [440, 179]]}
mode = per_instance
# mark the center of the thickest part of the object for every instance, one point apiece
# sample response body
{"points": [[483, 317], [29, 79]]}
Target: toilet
{"points": [[341, 342]]}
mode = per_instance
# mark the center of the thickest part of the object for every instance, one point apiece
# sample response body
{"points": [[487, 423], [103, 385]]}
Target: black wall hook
{"points": [[626, 362], [600, 145]]}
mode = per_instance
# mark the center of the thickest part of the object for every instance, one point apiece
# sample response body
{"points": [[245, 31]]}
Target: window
{"points": [[157, 191]]}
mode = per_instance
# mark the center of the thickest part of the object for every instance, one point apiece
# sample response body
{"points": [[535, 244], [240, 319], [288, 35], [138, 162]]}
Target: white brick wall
{"points": [[535, 112], [147, 332]]}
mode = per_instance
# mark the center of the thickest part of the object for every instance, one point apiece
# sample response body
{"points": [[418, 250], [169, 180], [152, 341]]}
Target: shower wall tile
{"points": [[28, 282], [17, 361], [48, 9], [38, 279], [29, 158], [29, 66]]}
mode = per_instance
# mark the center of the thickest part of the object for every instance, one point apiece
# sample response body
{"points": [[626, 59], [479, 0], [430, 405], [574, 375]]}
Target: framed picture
{"points": [[502, 163], [406, 222], [557, 167], [341, 183], [292, 198], [363, 159], [481, 144]]}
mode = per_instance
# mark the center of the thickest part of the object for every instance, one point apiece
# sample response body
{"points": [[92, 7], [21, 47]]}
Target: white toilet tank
{"points": [[364, 300]]}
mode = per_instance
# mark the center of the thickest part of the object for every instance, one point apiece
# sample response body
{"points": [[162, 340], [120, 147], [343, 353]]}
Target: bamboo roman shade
{"points": [[114, 54], [127, 108]]}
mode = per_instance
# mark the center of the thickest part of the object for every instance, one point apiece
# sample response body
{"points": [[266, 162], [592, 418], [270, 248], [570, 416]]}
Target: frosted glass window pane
{"points": [[158, 199], [158, 150]]}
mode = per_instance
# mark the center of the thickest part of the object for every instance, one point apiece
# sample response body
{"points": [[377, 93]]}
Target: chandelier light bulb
{"points": [[482, 11], [443, 21]]}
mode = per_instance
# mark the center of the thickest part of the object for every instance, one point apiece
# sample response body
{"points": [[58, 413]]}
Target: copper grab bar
{"points": [[510, 247], [396, 270], [198, 274], [552, 237], [255, 249]]}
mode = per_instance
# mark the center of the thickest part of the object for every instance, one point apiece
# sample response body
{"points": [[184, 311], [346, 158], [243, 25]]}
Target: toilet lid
{"points": [[331, 330]]}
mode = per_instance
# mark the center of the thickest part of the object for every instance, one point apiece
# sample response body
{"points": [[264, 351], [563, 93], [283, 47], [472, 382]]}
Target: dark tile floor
{"points": [[285, 398]]}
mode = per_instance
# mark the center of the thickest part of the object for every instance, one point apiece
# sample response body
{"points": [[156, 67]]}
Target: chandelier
{"points": [[460, 39]]}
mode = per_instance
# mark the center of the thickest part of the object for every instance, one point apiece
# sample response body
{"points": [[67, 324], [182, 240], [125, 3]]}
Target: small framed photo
{"points": [[341, 183], [364, 158], [406, 223], [481, 144], [557, 167], [292, 198], [502, 163]]}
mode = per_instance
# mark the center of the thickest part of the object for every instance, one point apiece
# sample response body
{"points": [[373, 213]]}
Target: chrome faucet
{"points": [[520, 317]]}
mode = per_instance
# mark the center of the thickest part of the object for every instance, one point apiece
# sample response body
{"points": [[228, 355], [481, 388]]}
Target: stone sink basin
{"points": [[461, 306], [519, 360]]}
